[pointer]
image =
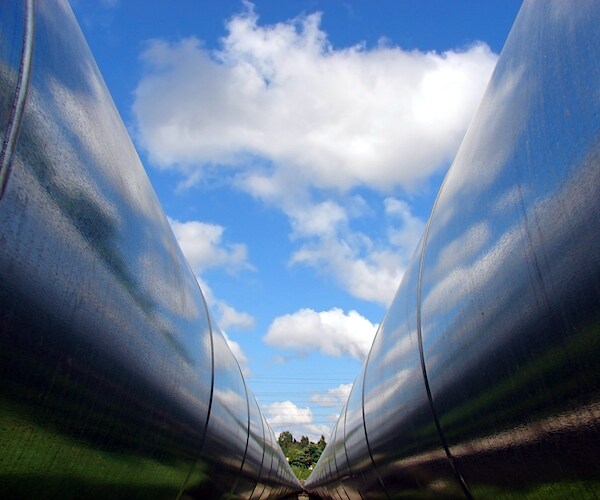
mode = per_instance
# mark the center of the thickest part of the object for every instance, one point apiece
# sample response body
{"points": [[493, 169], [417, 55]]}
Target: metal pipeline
{"points": [[483, 380], [114, 381]]}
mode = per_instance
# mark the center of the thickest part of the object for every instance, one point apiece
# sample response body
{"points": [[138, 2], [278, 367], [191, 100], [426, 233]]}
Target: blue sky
{"points": [[297, 148]]}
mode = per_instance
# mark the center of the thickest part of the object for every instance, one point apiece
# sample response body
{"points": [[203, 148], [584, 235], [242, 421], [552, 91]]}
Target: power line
{"points": [[296, 393], [334, 379]]}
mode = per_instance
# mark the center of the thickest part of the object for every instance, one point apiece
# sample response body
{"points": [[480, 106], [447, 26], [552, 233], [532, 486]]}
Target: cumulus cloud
{"points": [[369, 269], [229, 317], [333, 398], [338, 118], [332, 332], [286, 412], [373, 276], [278, 112], [318, 219], [287, 416]]}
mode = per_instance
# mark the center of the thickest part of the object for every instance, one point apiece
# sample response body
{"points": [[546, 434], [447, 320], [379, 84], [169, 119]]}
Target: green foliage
{"points": [[285, 441], [321, 444], [302, 455]]}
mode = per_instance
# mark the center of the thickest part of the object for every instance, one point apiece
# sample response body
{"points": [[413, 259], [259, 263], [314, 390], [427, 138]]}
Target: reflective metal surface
{"points": [[484, 378], [114, 382]]}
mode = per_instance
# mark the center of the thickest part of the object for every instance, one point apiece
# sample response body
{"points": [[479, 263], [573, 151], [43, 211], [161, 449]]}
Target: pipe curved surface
{"points": [[483, 380], [114, 380]]}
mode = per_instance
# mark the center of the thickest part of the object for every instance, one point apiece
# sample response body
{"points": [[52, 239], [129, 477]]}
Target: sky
{"points": [[297, 148]]}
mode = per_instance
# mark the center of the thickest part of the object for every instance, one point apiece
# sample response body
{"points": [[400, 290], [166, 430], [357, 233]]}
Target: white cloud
{"points": [[367, 268], [286, 412], [333, 398], [230, 317], [332, 332], [286, 416], [281, 114], [319, 219], [405, 234], [203, 247], [373, 276], [325, 117]]}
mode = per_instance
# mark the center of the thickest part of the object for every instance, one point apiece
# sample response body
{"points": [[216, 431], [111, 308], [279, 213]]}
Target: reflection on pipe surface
{"points": [[483, 380], [114, 381]]}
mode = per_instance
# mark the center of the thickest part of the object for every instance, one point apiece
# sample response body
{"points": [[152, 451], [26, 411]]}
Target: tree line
{"points": [[302, 455]]}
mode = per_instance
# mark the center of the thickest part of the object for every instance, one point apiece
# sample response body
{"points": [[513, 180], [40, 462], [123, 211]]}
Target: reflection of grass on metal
{"points": [[555, 368], [580, 489], [561, 380], [37, 463]]}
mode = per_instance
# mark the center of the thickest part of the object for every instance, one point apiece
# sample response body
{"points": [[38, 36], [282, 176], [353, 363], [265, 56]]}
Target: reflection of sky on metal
{"points": [[508, 283], [107, 348], [504, 259]]}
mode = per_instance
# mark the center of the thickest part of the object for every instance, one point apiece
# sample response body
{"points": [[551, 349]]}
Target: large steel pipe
{"points": [[114, 381], [484, 378]]}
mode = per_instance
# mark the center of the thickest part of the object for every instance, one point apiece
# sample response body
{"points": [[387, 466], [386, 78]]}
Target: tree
{"points": [[301, 455], [321, 444], [311, 453], [296, 458], [285, 440]]}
